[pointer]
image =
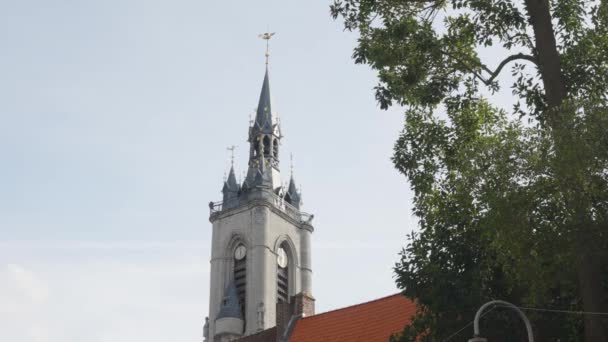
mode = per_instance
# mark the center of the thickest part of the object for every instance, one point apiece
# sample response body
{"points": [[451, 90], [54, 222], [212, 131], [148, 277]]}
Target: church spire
{"points": [[263, 116], [264, 139], [264, 120]]}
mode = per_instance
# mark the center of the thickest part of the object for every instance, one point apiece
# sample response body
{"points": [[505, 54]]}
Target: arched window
{"points": [[266, 145], [275, 148], [240, 274], [282, 274]]}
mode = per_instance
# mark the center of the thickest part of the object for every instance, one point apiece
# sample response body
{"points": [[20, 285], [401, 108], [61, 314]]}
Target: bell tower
{"points": [[260, 252]]}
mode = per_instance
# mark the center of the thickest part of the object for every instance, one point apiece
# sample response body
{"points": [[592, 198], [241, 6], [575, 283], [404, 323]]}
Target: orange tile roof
{"points": [[373, 321]]}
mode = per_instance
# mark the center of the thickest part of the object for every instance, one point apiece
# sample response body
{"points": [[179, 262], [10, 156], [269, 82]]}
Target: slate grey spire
{"points": [[264, 139], [293, 196], [230, 304], [263, 117], [231, 190], [231, 183]]}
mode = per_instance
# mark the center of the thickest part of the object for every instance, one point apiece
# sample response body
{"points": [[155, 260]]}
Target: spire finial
{"points": [[291, 164], [231, 148], [266, 36]]}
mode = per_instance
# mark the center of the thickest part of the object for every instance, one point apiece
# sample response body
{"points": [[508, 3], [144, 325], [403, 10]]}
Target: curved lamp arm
{"points": [[507, 304]]}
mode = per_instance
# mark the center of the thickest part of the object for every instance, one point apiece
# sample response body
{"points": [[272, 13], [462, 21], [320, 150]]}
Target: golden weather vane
{"points": [[266, 36]]}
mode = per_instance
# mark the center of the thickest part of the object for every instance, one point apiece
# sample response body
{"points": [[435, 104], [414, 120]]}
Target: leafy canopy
{"points": [[512, 203]]}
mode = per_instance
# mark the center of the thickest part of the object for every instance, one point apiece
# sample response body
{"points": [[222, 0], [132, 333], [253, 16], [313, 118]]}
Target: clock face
{"points": [[240, 252], [281, 258]]}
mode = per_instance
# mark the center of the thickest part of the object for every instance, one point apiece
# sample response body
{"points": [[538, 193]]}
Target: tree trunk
{"points": [[591, 292], [588, 261], [546, 49]]}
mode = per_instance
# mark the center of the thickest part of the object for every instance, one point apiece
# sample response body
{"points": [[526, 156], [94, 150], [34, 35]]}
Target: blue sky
{"points": [[115, 118]]}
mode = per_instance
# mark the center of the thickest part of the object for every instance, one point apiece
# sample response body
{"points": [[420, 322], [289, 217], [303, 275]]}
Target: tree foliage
{"points": [[512, 203]]}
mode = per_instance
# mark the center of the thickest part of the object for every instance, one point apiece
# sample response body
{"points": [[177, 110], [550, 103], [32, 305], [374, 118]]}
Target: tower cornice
{"points": [[269, 200]]}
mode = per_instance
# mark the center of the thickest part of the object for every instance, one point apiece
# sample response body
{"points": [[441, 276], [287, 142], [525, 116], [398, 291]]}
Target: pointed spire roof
{"points": [[264, 137], [231, 191], [230, 304], [292, 186], [263, 116], [292, 196], [231, 183]]}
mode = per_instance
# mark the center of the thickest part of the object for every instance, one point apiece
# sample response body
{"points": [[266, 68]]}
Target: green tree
{"points": [[511, 205]]}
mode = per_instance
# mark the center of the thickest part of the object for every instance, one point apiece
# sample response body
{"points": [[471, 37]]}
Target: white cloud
{"points": [[151, 294], [101, 245], [28, 283], [38, 334], [24, 296]]}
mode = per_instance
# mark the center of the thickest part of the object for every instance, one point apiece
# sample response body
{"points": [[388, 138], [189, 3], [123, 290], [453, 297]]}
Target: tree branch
{"points": [[467, 66], [495, 73]]}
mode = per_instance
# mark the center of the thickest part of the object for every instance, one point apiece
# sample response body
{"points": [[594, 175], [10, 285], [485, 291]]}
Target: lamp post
{"points": [[477, 336]]}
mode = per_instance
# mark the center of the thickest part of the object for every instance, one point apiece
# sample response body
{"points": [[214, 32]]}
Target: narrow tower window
{"points": [[240, 274], [282, 275], [266, 146], [275, 148], [256, 148]]}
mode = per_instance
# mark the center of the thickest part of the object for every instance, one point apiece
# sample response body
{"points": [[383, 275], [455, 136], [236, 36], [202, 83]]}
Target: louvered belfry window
{"points": [[240, 277], [282, 276]]}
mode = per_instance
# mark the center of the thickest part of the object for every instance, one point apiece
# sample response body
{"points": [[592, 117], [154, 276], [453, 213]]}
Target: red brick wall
{"points": [[303, 304], [284, 312]]}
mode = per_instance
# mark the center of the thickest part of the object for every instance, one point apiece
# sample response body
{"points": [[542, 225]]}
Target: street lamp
{"points": [[477, 336]]}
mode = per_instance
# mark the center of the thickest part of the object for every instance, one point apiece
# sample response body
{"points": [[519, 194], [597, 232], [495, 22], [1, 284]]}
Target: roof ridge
{"points": [[354, 305], [269, 331], [265, 331]]}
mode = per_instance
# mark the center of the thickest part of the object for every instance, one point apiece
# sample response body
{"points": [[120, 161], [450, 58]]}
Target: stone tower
{"points": [[260, 252]]}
